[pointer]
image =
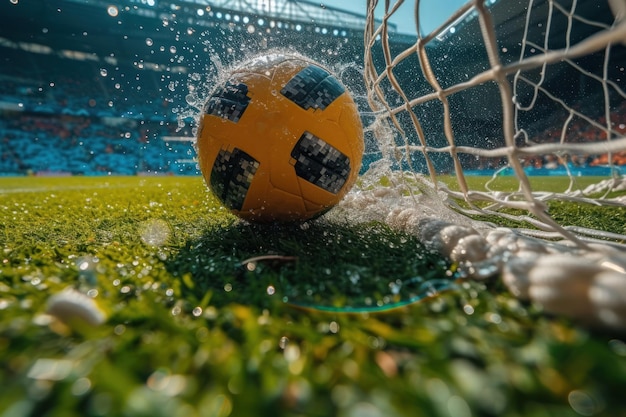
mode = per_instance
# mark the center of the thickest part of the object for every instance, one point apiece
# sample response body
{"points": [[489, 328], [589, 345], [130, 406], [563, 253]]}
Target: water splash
{"points": [[336, 290], [202, 82]]}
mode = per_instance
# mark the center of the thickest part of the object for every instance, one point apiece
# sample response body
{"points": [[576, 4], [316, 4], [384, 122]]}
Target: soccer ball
{"points": [[280, 141]]}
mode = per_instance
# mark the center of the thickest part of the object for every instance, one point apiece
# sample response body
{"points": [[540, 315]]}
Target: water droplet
{"points": [[333, 327], [103, 72], [271, 290], [292, 353], [494, 318], [618, 346], [197, 311], [395, 287], [81, 386], [282, 343], [582, 403], [149, 41]]}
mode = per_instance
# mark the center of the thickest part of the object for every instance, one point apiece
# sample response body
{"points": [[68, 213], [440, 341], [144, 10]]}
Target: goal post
{"points": [[519, 90]]}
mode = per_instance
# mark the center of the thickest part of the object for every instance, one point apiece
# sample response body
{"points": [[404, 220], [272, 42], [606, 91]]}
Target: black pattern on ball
{"points": [[229, 102], [312, 87], [320, 163], [232, 175]]}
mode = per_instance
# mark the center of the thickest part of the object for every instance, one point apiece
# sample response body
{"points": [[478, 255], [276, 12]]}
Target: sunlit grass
{"points": [[511, 183], [194, 330]]}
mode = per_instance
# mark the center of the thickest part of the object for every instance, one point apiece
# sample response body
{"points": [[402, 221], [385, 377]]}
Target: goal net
{"points": [[530, 93]]}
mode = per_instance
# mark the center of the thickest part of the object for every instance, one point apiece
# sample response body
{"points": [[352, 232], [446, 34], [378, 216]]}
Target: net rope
{"points": [[417, 128]]}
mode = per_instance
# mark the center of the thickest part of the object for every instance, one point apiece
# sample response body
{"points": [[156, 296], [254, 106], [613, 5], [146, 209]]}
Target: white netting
{"points": [[511, 89]]}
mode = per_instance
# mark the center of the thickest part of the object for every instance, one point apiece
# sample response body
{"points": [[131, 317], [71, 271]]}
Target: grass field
{"points": [[208, 316]]}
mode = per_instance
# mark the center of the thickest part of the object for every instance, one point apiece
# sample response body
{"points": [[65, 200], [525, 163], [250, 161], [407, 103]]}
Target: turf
{"points": [[209, 316]]}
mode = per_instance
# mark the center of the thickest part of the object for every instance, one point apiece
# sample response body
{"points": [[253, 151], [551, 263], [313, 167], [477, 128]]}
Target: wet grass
{"points": [[210, 316], [607, 218]]}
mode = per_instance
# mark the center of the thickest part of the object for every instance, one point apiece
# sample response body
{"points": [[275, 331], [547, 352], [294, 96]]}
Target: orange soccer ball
{"points": [[280, 140]]}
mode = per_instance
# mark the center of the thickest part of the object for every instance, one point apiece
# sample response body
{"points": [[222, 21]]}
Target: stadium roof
{"points": [[292, 10], [138, 30]]}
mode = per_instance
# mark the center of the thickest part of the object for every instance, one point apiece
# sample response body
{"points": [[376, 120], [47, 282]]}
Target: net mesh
{"points": [[513, 90]]}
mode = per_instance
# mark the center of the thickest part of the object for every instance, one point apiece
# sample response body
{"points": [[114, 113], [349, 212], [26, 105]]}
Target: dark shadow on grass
{"points": [[319, 264]]}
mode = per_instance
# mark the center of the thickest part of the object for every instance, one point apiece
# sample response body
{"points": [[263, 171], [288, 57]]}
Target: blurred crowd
{"points": [[78, 145], [67, 116], [99, 117], [577, 130]]}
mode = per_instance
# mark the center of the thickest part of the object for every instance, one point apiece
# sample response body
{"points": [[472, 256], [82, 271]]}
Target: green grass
{"points": [[608, 218], [193, 330], [510, 182]]}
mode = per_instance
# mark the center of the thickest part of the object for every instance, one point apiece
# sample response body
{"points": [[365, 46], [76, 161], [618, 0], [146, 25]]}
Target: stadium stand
{"points": [[99, 88], [45, 144], [69, 121], [103, 104]]}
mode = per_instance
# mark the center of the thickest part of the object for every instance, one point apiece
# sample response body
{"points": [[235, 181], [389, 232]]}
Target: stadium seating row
{"points": [[98, 118], [32, 143]]}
